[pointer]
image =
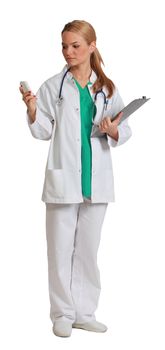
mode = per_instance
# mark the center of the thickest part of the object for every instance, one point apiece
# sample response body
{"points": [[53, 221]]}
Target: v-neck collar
{"points": [[82, 88], [92, 78]]}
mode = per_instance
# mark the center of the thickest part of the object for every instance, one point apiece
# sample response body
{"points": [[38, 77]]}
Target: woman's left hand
{"points": [[110, 127]]}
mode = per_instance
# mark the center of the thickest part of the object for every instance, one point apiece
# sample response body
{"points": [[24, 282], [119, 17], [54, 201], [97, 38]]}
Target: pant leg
{"points": [[85, 286], [61, 220]]}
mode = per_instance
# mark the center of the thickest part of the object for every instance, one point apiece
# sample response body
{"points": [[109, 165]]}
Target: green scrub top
{"points": [[87, 112]]}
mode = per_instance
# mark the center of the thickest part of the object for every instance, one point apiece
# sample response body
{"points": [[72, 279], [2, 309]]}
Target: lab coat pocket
{"points": [[54, 183]]}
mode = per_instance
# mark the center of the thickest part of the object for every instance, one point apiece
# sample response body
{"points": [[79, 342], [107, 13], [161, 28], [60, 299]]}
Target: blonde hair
{"points": [[86, 30]]}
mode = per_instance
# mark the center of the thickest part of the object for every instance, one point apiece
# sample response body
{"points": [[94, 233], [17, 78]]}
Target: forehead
{"points": [[70, 37]]}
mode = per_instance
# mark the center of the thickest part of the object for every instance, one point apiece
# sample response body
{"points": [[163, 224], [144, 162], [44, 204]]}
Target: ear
{"points": [[92, 46]]}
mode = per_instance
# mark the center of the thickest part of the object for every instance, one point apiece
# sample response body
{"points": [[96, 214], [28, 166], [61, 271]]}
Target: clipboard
{"points": [[131, 108]]}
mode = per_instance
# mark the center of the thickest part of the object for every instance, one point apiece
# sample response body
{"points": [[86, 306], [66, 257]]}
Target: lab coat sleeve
{"points": [[42, 127], [124, 129]]}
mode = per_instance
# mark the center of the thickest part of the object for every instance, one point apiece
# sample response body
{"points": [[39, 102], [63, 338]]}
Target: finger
{"points": [[25, 96], [28, 98], [105, 124], [25, 93], [118, 118], [101, 127], [108, 122], [120, 114], [28, 93]]}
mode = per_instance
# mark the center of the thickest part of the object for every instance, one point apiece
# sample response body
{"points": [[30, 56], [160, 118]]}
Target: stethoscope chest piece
{"points": [[59, 101]]}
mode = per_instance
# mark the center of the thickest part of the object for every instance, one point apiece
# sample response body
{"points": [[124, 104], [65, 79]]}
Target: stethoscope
{"points": [[60, 98]]}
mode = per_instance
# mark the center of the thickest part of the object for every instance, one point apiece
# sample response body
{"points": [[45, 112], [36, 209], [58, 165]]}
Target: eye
{"points": [[76, 46]]}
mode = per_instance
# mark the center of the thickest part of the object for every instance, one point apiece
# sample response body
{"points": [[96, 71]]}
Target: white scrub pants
{"points": [[73, 235]]}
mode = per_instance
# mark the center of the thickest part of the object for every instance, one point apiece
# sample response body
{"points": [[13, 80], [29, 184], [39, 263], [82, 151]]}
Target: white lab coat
{"points": [[62, 124]]}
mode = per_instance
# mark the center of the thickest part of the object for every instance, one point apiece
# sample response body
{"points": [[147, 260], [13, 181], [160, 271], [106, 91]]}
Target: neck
{"points": [[81, 71]]}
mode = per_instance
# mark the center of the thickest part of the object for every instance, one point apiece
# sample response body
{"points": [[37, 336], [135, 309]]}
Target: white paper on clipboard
{"points": [[131, 108]]}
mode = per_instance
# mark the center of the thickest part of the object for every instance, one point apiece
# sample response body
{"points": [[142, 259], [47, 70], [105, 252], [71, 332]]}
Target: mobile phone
{"points": [[25, 86]]}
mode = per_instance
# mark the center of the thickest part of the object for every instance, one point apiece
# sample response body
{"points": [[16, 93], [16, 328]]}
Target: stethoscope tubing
{"points": [[95, 98]]}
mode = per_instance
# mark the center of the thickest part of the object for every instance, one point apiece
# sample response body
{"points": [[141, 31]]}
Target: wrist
{"points": [[114, 134]]}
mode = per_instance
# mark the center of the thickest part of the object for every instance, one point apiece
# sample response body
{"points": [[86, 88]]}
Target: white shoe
{"points": [[62, 328], [92, 326]]}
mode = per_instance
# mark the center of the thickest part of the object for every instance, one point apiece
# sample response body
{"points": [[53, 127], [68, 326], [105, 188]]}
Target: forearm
{"points": [[31, 115]]}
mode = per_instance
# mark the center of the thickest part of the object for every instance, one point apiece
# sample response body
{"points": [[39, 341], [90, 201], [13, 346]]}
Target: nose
{"points": [[68, 51]]}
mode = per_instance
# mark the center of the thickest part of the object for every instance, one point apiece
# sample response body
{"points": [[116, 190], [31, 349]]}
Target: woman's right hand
{"points": [[30, 100]]}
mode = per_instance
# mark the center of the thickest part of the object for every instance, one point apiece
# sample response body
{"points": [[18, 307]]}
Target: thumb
{"points": [[119, 116]]}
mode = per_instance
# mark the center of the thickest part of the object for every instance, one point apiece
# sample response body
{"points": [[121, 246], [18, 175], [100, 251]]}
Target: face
{"points": [[75, 49]]}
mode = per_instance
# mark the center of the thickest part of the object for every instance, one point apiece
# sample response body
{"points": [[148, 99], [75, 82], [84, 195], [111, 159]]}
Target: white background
{"points": [[131, 254]]}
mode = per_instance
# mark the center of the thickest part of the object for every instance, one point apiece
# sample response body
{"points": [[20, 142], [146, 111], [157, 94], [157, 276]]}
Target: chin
{"points": [[71, 63]]}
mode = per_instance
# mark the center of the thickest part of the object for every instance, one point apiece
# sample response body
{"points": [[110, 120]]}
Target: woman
{"points": [[74, 110]]}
